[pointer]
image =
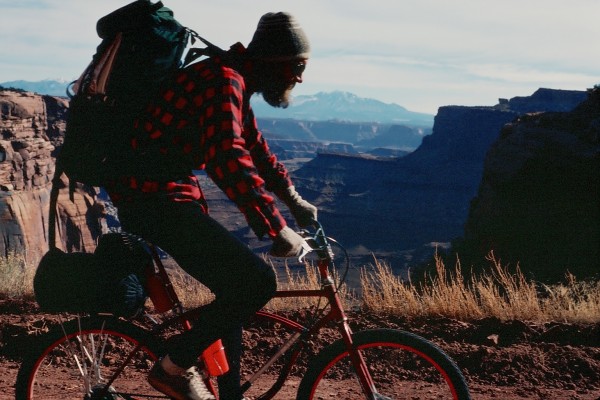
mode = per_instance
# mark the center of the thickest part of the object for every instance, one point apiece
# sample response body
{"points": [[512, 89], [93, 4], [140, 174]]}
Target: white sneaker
{"points": [[188, 386]]}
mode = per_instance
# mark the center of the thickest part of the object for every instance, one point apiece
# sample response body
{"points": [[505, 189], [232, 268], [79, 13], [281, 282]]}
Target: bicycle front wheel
{"points": [[401, 365], [80, 358]]}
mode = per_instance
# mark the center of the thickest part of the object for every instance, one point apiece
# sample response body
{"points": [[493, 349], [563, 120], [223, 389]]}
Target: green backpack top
{"points": [[142, 44]]}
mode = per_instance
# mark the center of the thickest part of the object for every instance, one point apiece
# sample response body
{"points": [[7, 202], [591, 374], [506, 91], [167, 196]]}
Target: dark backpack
{"points": [[142, 44]]}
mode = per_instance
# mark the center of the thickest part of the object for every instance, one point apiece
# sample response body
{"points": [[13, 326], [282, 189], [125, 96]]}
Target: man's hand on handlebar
{"points": [[289, 244]]}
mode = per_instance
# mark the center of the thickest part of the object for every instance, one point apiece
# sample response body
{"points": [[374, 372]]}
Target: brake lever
{"points": [[306, 248], [310, 243]]}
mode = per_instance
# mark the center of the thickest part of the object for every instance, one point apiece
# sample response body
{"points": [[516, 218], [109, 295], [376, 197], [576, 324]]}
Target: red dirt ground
{"points": [[501, 360]]}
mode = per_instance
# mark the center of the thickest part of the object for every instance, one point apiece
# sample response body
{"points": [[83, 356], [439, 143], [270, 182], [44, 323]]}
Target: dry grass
{"points": [[500, 292], [191, 292], [194, 294], [16, 279], [305, 278]]}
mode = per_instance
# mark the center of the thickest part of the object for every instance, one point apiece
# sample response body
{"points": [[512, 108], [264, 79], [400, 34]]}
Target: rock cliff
{"points": [[399, 208], [363, 135], [31, 128], [539, 199], [405, 208]]}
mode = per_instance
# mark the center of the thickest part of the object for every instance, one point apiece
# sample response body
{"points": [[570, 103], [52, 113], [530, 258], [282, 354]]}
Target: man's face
{"points": [[278, 79]]}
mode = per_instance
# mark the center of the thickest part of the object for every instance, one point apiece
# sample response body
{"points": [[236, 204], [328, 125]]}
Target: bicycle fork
{"points": [[358, 362], [360, 366]]}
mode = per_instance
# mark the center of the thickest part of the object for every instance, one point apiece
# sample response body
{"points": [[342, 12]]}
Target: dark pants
{"points": [[241, 281]]}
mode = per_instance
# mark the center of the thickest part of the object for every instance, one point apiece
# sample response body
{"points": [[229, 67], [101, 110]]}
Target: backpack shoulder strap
{"points": [[196, 52], [53, 212]]}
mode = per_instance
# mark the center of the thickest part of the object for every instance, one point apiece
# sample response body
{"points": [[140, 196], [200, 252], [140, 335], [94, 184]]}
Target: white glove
{"points": [[303, 212], [287, 243]]}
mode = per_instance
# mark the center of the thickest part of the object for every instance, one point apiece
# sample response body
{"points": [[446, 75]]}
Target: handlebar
{"points": [[315, 241]]}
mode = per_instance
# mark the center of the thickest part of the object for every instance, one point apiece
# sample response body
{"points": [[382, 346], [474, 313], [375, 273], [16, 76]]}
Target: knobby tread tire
{"points": [[383, 337], [32, 356]]}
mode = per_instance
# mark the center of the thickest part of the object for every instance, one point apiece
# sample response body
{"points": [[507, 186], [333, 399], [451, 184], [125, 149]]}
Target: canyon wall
{"points": [[400, 209], [31, 130], [538, 203], [403, 210]]}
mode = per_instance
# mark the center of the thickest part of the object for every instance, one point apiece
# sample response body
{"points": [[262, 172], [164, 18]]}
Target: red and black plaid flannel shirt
{"points": [[203, 120]]}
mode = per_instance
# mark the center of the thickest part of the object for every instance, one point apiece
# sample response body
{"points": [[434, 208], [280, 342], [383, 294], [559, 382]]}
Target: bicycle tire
{"points": [[400, 363], [51, 369]]}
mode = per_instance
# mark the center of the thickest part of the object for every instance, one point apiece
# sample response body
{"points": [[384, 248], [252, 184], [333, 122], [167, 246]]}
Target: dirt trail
{"points": [[502, 360]]}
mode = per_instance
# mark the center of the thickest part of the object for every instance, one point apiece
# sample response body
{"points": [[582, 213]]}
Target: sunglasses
{"points": [[298, 68]]}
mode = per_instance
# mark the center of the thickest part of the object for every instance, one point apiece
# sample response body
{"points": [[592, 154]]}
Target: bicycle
{"points": [[104, 357]]}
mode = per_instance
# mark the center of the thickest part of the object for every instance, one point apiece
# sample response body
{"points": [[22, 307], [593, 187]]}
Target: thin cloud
{"points": [[6, 5], [526, 74], [417, 53]]}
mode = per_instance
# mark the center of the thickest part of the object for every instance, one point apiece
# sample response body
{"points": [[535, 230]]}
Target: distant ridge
{"points": [[342, 106], [323, 106], [51, 87]]}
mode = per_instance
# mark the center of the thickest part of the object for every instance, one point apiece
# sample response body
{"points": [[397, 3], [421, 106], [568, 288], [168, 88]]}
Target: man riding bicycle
{"points": [[203, 120]]}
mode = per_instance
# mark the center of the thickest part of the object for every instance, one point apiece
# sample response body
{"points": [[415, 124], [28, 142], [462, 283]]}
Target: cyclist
{"points": [[203, 120]]}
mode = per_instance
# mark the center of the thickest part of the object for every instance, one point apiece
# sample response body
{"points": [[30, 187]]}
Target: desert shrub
{"points": [[16, 276], [500, 292]]}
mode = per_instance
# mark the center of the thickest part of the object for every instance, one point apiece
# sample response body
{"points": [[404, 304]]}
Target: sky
{"points": [[420, 54]]}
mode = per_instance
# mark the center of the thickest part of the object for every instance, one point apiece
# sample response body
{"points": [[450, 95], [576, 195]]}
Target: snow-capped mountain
{"points": [[342, 106]]}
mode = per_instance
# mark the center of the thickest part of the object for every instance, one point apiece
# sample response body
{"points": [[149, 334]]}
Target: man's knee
{"points": [[263, 285]]}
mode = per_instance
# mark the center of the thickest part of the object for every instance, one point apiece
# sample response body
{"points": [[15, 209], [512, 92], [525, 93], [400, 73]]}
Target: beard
{"points": [[278, 96]]}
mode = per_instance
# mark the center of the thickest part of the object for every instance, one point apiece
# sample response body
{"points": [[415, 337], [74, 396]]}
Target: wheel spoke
{"points": [[82, 361]]}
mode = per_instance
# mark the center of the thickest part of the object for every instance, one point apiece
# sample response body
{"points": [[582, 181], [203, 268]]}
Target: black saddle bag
{"points": [[109, 280]]}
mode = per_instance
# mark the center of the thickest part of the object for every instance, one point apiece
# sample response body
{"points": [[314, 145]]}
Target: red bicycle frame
{"points": [[301, 333], [335, 315]]}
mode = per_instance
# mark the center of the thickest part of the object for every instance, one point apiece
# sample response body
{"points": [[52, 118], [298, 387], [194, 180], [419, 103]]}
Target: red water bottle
{"points": [[158, 291], [215, 359]]}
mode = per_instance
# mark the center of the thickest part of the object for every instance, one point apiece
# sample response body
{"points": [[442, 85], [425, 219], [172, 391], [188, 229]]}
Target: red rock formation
{"points": [[31, 126]]}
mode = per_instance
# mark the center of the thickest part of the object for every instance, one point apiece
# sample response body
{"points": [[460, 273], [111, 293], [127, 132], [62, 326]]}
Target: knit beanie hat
{"points": [[278, 37]]}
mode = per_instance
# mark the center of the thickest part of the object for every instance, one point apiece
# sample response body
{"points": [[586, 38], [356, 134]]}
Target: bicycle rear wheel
{"points": [[402, 365], [76, 360]]}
